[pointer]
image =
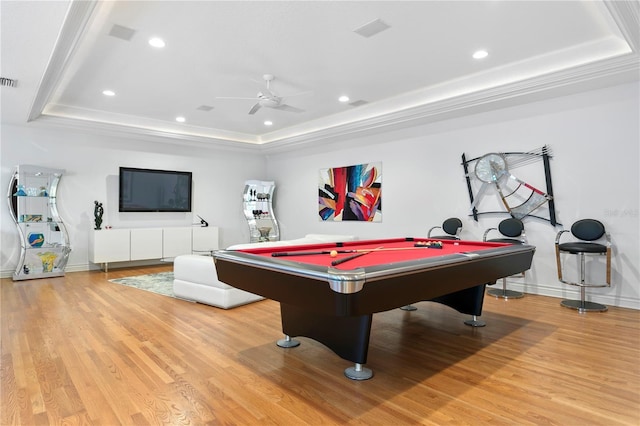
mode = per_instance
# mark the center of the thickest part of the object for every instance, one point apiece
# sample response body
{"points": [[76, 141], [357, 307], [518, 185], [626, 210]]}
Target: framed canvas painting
{"points": [[351, 193]]}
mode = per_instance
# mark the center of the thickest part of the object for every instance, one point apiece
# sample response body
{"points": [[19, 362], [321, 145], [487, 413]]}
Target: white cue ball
{"points": [[333, 253]]}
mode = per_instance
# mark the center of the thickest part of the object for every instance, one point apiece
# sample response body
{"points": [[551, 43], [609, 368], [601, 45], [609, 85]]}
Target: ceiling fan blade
{"points": [[308, 92], [254, 108], [289, 108]]}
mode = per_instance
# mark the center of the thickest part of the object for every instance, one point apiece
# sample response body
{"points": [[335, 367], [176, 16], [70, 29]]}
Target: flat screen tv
{"points": [[147, 190]]}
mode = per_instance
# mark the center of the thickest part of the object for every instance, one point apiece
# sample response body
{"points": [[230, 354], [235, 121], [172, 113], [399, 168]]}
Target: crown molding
{"points": [[75, 24], [119, 131], [591, 76], [626, 15], [143, 125]]}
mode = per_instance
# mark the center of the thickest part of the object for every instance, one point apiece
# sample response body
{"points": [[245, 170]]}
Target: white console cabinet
{"points": [[125, 245], [177, 241]]}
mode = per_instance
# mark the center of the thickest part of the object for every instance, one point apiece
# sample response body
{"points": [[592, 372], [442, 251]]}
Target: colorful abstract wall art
{"points": [[351, 193]]}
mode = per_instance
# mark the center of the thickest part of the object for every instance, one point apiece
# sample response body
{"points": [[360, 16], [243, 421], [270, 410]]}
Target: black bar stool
{"points": [[512, 231], [586, 234], [452, 228]]}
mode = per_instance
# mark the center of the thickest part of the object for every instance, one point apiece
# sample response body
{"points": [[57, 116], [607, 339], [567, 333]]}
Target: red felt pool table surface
{"points": [[384, 251]]}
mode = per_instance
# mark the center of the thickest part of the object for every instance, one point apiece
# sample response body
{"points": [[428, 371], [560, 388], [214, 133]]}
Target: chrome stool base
{"points": [[505, 294], [583, 306]]}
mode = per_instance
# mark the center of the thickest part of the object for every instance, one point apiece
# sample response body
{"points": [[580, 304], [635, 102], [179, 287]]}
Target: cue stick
{"points": [[305, 253], [365, 251], [399, 248], [353, 256]]}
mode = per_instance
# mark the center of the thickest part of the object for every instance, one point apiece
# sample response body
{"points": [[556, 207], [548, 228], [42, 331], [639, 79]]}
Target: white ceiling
{"points": [[421, 68]]}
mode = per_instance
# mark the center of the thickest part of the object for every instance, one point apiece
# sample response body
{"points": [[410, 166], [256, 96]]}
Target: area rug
{"points": [[160, 283]]}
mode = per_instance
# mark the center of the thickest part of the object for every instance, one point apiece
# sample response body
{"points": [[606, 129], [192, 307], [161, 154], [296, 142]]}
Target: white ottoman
{"points": [[195, 278]]}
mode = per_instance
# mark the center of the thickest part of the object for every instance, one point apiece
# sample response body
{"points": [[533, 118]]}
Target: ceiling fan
{"points": [[267, 98]]}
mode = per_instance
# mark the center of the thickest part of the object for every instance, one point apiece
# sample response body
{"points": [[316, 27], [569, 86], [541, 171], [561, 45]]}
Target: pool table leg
{"points": [[475, 322], [468, 301], [408, 308], [288, 342], [358, 372], [347, 336]]}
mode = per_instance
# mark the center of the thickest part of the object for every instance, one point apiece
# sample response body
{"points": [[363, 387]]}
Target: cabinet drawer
{"points": [[146, 243], [176, 241], [110, 245]]}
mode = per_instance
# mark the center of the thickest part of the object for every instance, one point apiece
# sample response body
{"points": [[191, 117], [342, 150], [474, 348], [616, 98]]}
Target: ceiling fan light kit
{"points": [[266, 98]]}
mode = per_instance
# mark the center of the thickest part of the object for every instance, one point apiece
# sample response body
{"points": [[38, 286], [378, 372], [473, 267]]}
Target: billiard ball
{"points": [[333, 253]]}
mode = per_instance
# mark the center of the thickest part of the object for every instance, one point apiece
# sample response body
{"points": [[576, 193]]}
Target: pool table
{"points": [[329, 292]]}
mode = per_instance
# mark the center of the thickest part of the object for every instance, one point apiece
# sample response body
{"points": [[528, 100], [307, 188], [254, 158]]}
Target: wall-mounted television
{"points": [[148, 190]]}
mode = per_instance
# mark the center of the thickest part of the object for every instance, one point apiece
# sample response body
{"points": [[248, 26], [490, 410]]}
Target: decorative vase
{"points": [[48, 259], [264, 233], [20, 191]]}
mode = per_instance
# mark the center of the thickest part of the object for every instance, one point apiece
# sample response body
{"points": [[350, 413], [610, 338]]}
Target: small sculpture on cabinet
{"points": [[98, 211]]}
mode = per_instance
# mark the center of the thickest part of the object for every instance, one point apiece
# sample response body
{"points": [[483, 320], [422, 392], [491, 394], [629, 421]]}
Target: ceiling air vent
{"points": [[371, 28], [121, 32], [358, 103], [204, 108], [8, 82]]}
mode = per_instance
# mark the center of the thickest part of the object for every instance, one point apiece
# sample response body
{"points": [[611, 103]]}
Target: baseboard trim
{"points": [[563, 291], [559, 290], [94, 267]]}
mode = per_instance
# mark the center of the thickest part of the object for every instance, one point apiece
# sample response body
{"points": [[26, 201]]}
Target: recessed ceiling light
{"points": [[268, 123], [156, 42], [181, 119], [108, 93], [343, 98], [480, 54]]}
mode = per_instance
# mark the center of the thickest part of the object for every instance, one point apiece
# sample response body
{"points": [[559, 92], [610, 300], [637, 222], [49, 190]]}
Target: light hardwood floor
{"points": [[82, 350]]}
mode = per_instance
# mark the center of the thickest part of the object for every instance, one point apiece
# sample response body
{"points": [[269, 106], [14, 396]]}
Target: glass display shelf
{"points": [[258, 211], [44, 241]]}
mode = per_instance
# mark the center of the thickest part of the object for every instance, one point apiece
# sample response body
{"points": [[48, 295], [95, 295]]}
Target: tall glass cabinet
{"points": [[258, 210], [44, 241]]}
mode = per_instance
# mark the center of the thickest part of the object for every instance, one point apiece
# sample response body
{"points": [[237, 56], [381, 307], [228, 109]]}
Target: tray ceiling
{"points": [[419, 67]]}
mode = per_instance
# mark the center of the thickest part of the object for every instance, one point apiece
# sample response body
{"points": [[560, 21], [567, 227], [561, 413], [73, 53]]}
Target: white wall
{"points": [[91, 163], [594, 137]]}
